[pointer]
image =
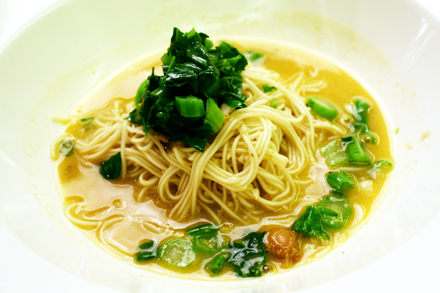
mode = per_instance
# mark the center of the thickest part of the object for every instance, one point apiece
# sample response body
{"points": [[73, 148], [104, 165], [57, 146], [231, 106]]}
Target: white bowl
{"points": [[53, 62]]}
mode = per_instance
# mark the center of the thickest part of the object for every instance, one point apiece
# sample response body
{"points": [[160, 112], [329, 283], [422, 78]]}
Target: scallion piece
{"points": [[274, 103], [66, 148], [322, 108], [356, 152], [190, 106], [361, 109], [146, 245], [340, 181], [87, 123], [214, 116], [145, 255]]}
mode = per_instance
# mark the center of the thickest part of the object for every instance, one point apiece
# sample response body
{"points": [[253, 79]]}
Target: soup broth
{"points": [[120, 214]]}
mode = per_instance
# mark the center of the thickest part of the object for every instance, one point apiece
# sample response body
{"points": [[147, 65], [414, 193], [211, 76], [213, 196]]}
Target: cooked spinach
{"points": [[112, 168], [203, 78], [310, 224], [248, 256]]}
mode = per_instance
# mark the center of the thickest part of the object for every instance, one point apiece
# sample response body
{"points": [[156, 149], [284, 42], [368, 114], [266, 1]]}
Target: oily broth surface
{"points": [[126, 223]]}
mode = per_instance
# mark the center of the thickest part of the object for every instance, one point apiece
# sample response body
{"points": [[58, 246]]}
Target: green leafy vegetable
{"points": [[335, 210], [87, 123], [248, 256], [66, 148], [267, 88], [274, 103], [340, 181], [310, 224], [177, 252], [112, 168], [377, 167], [322, 108], [217, 263], [334, 153], [183, 104]]}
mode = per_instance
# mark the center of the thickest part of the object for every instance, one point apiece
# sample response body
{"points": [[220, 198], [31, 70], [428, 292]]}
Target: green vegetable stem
{"points": [[322, 108]]}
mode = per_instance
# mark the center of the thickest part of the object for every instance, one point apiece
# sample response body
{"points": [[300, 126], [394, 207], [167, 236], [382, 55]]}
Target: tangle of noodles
{"points": [[248, 169]]}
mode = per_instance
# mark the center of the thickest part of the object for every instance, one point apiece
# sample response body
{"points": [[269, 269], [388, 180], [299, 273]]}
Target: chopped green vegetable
{"points": [[248, 256], [356, 151], [145, 255], [178, 253], [146, 245], [87, 123], [340, 181], [397, 130], [217, 263], [335, 210], [363, 128], [310, 224], [147, 251], [190, 106], [322, 108], [112, 168], [267, 88], [206, 238], [274, 103], [377, 167], [334, 153], [254, 56], [361, 109], [66, 148], [192, 70], [210, 242], [214, 116]]}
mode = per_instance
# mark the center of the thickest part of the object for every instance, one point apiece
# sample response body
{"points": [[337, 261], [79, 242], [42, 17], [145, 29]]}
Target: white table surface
{"points": [[412, 267]]}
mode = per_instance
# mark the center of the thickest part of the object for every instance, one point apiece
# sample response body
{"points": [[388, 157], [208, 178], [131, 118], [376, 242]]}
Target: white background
{"points": [[412, 267]]}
